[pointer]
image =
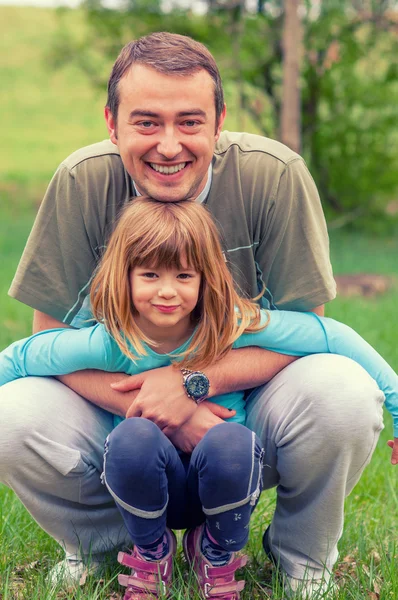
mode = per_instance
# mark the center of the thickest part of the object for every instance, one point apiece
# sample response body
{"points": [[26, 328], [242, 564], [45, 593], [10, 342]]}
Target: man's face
{"points": [[166, 131]]}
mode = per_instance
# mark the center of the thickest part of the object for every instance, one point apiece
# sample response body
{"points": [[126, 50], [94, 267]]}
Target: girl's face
{"points": [[164, 299]]}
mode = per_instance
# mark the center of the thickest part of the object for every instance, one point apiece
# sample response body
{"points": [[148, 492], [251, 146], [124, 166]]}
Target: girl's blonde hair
{"points": [[161, 234]]}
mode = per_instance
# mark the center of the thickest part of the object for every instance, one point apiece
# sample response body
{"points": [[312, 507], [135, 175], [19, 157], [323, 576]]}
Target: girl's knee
{"points": [[229, 452], [228, 439], [136, 445], [135, 426], [133, 437]]}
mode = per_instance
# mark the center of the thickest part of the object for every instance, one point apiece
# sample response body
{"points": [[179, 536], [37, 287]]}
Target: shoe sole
{"points": [[185, 547]]}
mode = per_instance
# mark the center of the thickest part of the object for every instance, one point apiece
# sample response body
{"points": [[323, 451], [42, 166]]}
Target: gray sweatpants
{"points": [[319, 421]]}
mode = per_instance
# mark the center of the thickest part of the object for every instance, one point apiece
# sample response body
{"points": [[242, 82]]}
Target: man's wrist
{"points": [[196, 385]]}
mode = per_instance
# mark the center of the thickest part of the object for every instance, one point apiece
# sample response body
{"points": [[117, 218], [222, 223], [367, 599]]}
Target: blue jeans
{"points": [[156, 486]]}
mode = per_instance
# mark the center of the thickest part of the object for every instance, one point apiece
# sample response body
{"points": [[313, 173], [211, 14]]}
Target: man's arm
{"points": [[241, 369], [162, 398], [96, 386], [158, 395]]}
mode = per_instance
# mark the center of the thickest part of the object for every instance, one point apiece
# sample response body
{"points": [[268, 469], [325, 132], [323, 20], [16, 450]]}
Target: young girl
{"points": [[163, 294]]}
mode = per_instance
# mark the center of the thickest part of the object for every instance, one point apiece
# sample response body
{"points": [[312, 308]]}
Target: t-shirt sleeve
{"points": [[301, 334], [58, 352], [293, 253], [57, 263]]}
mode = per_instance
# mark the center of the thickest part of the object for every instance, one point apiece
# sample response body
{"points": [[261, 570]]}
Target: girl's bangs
{"points": [[174, 252]]}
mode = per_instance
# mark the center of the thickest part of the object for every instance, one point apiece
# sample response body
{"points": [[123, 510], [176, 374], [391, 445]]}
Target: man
{"points": [[318, 419]]}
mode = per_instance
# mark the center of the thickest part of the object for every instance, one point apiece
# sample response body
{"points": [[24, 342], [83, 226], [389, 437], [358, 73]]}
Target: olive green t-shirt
{"points": [[262, 198]]}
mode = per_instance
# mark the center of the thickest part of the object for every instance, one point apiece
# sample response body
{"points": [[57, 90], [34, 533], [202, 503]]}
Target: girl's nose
{"points": [[167, 291]]}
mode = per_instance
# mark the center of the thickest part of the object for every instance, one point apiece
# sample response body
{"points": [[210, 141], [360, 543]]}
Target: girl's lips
{"points": [[165, 309]]}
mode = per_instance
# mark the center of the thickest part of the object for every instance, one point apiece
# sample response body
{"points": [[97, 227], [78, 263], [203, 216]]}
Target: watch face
{"points": [[197, 385]]}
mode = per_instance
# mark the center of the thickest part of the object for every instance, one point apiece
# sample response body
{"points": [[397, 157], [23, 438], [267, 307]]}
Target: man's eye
{"points": [[146, 124], [191, 123]]}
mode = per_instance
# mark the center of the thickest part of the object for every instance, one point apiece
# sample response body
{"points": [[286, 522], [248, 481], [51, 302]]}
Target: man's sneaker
{"points": [[71, 572], [148, 579], [309, 589], [214, 582], [303, 589]]}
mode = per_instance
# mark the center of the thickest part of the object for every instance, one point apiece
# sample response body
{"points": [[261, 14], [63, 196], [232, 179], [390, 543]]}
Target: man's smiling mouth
{"points": [[167, 170]]}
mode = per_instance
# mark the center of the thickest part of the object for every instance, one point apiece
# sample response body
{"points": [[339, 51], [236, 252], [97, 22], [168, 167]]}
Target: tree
{"points": [[290, 127], [349, 97]]}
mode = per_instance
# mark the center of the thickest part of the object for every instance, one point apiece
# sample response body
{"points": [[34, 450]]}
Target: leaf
{"points": [[19, 569]]}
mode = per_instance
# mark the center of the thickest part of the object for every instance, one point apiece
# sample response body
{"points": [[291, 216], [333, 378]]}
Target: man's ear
{"points": [[221, 121], [111, 125]]}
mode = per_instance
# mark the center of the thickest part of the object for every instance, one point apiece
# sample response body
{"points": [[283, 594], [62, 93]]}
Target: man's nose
{"points": [[169, 145]]}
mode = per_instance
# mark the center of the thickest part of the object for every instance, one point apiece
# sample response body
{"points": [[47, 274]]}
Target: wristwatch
{"points": [[196, 385]]}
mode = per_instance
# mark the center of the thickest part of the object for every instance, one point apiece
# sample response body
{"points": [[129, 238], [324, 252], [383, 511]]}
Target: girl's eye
{"points": [[185, 276], [149, 275]]}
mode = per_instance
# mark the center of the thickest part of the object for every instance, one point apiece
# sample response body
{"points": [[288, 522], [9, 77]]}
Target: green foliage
{"points": [[349, 112]]}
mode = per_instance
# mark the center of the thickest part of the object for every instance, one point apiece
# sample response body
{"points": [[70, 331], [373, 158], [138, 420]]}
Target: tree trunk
{"points": [[290, 124], [237, 34]]}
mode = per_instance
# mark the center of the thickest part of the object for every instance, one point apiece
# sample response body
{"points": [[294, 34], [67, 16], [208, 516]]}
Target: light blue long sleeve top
{"points": [[62, 351]]}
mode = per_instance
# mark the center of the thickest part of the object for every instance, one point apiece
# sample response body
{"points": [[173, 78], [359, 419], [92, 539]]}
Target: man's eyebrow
{"points": [[193, 112], [143, 113]]}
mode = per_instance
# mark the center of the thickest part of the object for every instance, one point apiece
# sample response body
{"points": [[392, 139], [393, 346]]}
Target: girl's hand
{"points": [[394, 446], [205, 417], [162, 399]]}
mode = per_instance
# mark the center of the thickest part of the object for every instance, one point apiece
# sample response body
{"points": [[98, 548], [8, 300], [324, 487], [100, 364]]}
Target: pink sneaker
{"points": [[214, 582], [148, 580]]}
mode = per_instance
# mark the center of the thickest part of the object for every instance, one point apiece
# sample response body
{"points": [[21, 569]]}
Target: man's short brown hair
{"points": [[168, 53]]}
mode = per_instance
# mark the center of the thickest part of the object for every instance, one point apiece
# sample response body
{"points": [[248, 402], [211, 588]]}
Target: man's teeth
{"points": [[167, 170]]}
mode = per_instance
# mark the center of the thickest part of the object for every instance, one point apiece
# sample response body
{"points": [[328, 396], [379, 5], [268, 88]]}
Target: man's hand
{"points": [[394, 446], [206, 416], [161, 398], [158, 394]]}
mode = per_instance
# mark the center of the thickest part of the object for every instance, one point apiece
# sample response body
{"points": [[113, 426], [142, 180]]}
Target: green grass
{"points": [[44, 117], [374, 318]]}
